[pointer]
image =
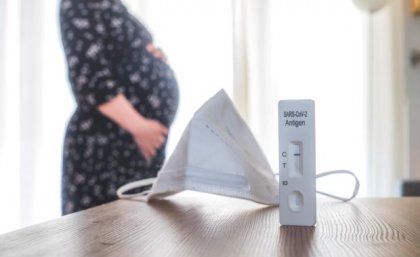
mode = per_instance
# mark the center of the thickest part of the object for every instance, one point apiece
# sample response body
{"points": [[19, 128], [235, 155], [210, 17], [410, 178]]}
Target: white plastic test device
{"points": [[297, 162]]}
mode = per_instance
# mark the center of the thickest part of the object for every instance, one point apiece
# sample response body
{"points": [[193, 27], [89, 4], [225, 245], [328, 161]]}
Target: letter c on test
{"points": [[284, 154]]}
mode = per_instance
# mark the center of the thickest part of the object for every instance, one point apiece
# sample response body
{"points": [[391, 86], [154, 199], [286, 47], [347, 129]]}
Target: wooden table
{"points": [[205, 225]]}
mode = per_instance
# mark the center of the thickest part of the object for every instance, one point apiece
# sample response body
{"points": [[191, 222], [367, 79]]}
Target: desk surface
{"points": [[205, 225]]}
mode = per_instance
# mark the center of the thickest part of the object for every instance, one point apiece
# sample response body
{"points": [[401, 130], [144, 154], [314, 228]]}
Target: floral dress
{"points": [[105, 50]]}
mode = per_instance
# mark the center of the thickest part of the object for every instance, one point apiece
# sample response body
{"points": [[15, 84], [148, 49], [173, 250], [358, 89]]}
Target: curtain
{"points": [[36, 104], [388, 106], [9, 144], [316, 50]]}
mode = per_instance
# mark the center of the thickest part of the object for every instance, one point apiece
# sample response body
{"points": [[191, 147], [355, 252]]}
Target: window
{"points": [[318, 52], [314, 50]]}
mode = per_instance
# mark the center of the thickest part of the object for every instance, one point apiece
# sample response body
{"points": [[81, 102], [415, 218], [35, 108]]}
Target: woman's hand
{"points": [[157, 52], [149, 136]]}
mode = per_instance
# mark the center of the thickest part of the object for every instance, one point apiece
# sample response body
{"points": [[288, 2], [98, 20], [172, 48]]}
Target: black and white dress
{"points": [[105, 50]]}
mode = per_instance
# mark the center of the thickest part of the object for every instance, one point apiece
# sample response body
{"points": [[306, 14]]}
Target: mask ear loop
{"points": [[134, 185], [356, 186], [323, 174]]}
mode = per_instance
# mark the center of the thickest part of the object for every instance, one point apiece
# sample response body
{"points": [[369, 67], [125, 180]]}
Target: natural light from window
{"points": [[317, 51]]}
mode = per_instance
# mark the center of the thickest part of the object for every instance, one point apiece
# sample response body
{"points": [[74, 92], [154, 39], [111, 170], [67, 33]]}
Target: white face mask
{"points": [[216, 154]]}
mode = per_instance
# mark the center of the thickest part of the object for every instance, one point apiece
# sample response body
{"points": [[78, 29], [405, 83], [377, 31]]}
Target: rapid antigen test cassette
{"points": [[297, 162]]}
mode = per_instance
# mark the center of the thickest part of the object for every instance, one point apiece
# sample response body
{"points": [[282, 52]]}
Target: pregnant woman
{"points": [[126, 96]]}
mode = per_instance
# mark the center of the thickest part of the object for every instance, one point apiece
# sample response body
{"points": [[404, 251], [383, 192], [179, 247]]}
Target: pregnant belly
{"points": [[157, 91]]}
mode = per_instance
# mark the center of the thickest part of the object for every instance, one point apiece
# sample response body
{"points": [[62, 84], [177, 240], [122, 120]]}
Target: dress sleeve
{"points": [[86, 40]]}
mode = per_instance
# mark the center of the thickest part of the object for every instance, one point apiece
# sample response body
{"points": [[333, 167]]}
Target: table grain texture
{"points": [[205, 225]]}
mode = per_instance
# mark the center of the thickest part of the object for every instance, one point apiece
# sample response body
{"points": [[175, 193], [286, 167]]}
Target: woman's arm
{"points": [[148, 134]]}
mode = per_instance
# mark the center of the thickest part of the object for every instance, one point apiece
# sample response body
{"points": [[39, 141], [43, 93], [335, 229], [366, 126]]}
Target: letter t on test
{"points": [[297, 163]]}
